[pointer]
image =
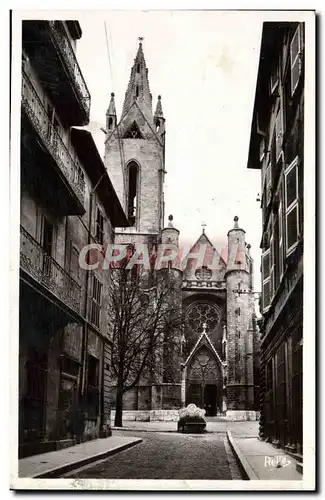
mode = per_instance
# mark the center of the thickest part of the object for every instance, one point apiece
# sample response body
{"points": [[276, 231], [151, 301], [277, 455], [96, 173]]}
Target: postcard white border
{"points": [[308, 481]]}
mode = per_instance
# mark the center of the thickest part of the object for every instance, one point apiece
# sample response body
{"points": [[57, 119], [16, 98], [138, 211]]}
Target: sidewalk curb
{"points": [[56, 472], [137, 429], [246, 468]]}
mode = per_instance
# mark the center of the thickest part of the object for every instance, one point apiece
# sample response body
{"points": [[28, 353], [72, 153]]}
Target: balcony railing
{"points": [[37, 114], [47, 272], [204, 284], [65, 48]]}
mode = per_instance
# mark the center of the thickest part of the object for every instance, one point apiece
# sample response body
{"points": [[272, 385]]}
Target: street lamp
{"points": [[239, 291]]}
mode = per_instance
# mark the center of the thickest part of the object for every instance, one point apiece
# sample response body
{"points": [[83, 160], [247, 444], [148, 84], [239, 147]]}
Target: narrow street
{"points": [[167, 456]]}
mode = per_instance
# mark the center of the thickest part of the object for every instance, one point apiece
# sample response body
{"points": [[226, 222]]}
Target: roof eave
{"points": [[89, 155]]}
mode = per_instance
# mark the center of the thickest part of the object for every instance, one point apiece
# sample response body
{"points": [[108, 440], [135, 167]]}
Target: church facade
{"points": [[218, 367]]}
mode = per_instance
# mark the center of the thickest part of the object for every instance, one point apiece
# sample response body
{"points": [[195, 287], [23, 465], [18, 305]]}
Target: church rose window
{"points": [[200, 313]]}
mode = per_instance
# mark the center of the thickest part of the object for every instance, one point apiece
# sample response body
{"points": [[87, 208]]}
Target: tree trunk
{"points": [[119, 409]]}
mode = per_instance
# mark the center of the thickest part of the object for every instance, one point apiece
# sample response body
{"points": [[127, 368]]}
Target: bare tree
{"points": [[145, 318]]}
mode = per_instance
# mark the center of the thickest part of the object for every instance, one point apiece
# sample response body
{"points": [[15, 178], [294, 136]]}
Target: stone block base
{"points": [[148, 415], [133, 415], [241, 415], [164, 416]]}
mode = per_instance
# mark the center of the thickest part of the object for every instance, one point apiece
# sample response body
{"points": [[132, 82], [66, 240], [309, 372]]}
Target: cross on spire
{"points": [[203, 227], [141, 38]]}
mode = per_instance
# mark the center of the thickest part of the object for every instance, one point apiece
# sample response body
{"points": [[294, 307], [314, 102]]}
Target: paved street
{"points": [[167, 456], [240, 428]]}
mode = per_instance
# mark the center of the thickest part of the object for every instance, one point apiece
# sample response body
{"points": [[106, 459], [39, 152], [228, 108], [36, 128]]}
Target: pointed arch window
{"points": [[137, 91], [110, 123], [133, 177], [138, 68]]}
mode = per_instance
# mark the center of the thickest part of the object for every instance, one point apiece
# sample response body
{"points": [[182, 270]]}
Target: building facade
{"points": [[67, 202], [277, 149], [218, 366]]}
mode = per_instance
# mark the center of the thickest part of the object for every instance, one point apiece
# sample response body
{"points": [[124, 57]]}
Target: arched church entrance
{"points": [[204, 383]]}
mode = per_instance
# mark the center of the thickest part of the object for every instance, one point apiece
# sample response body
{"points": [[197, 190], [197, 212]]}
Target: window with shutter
{"points": [[99, 227], [295, 58], [291, 206], [266, 279]]}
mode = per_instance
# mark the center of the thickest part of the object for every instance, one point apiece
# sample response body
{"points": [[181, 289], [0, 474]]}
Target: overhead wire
{"points": [[120, 142]]}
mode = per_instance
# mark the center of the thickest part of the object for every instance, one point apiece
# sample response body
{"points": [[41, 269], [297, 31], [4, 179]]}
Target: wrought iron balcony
{"points": [[52, 57], [38, 117], [204, 284], [65, 48], [47, 272]]}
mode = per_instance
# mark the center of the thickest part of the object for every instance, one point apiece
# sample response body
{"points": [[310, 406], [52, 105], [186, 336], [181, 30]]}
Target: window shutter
{"points": [[268, 182], [272, 254], [266, 279], [278, 134], [280, 242], [292, 206], [96, 302], [295, 49], [262, 148], [274, 79]]}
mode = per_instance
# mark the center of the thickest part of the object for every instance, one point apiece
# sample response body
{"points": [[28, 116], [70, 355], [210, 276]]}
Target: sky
{"points": [[204, 65]]}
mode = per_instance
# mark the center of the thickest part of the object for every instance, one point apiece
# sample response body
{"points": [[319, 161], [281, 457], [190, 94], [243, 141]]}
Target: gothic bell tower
{"points": [[135, 152]]}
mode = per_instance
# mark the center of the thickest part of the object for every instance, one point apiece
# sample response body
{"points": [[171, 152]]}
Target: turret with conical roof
{"points": [[111, 119], [159, 118], [240, 308], [236, 249]]}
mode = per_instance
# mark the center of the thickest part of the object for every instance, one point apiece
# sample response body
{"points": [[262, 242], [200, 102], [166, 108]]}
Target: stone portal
{"points": [[203, 374]]}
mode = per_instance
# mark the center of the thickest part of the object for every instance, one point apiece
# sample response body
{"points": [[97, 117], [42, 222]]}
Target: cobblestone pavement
{"points": [[167, 456]]}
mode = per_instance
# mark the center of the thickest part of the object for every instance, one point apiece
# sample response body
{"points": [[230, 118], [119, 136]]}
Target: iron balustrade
{"points": [[46, 271], [65, 48], [203, 284], [37, 114]]}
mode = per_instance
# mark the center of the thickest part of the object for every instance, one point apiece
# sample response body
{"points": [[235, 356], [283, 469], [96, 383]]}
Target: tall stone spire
{"points": [[138, 87]]}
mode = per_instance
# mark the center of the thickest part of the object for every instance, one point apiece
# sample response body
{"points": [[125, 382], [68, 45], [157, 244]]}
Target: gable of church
{"points": [[213, 267]]}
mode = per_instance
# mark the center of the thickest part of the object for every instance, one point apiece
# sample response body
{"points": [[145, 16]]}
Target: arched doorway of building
{"points": [[204, 381]]}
